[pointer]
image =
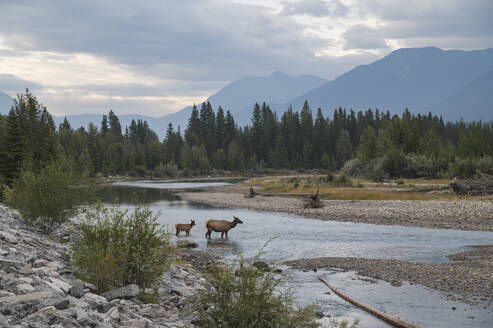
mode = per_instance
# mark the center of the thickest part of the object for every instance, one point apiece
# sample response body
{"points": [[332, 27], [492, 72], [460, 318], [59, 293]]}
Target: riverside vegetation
{"points": [[373, 144], [41, 165]]}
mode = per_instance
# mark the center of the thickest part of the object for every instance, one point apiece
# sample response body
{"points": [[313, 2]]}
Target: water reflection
{"points": [[300, 237]]}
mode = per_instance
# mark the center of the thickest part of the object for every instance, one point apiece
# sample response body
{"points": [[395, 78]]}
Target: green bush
{"points": [[46, 199], [114, 248], [248, 299]]}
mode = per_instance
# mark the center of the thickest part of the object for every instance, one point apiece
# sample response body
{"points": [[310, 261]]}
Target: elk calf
{"points": [[184, 227]]}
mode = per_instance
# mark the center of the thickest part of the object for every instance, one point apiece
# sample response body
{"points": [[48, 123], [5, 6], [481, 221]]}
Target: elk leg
{"points": [[177, 232], [222, 234], [226, 234], [188, 233]]}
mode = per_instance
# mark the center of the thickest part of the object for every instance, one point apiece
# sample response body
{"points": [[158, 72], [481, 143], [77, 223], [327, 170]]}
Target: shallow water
{"points": [[293, 237]]}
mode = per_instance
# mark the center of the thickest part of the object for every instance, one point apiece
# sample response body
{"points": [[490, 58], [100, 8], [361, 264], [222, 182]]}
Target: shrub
{"points": [[353, 167], [114, 248], [248, 299], [46, 199]]}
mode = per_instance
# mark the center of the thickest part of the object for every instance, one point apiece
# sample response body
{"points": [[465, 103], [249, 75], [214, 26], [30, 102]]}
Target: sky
{"points": [[154, 57]]}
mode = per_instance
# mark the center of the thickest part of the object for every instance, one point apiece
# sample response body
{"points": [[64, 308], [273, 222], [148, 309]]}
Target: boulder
{"points": [[186, 243], [94, 301], [25, 288], [76, 292], [8, 237], [126, 292]]}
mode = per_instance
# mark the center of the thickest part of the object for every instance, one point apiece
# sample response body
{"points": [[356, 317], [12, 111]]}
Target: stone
{"points": [[58, 285], [25, 288], [62, 305], [76, 292], [26, 269], [113, 314], [39, 263], [126, 292], [186, 243], [26, 297], [9, 265], [94, 301], [8, 237], [79, 314]]}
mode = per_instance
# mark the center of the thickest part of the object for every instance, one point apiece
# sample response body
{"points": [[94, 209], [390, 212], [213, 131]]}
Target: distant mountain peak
{"points": [[278, 74]]}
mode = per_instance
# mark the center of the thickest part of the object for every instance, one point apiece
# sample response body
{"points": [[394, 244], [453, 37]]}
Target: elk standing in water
{"points": [[221, 226], [184, 227]]}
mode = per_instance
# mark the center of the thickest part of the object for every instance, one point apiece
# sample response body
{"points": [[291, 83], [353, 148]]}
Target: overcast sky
{"points": [[155, 57]]}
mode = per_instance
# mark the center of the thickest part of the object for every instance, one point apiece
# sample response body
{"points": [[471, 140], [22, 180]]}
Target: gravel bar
{"points": [[438, 214], [468, 279]]}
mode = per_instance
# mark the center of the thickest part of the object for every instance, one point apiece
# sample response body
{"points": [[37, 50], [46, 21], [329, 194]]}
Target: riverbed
{"points": [[292, 237]]}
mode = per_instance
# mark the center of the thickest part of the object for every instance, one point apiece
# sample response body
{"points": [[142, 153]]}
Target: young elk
{"points": [[221, 226], [184, 227]]}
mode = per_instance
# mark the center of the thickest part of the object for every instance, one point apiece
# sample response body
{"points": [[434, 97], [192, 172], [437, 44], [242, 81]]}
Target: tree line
{"points": [[368, 143]]}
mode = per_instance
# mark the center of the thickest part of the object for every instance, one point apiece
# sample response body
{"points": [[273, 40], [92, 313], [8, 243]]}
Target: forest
{"points": [[372, 144]]}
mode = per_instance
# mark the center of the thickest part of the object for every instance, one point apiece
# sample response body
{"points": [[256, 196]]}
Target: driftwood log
{"points": [[251, 193], [480, 185], [393, 321], [313, 201]]}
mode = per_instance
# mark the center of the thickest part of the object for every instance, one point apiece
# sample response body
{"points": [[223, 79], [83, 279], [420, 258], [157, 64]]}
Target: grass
{"points": [[310, 184]]}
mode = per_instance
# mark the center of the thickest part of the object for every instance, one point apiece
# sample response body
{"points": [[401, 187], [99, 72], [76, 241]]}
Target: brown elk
{"points": [[184, 227], [221, 226]]}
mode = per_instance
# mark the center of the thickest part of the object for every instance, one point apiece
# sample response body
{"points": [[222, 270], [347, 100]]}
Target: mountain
{"points": [[416, 78], [474, 101], [240, 96], [6, 103]]}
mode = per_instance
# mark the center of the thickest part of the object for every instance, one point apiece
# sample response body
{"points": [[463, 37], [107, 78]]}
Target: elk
{"points": [[221, 226], [184, 227]]}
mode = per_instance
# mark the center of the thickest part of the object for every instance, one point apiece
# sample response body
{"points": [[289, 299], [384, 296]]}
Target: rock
{"points": [[58, 285], [62, 305], [186, 243], [261, 265], [8, 237], [39, 263], [9, 265], [78, 314], [113, 314], [126, 292], [25, 288], [94, 301], [76, 292], [26, 297]]}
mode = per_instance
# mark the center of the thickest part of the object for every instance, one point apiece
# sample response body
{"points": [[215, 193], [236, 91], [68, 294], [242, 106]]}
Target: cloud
{"points": [[464, 24], [166, 54], [11, 84], [363, 37], [315, 8]]}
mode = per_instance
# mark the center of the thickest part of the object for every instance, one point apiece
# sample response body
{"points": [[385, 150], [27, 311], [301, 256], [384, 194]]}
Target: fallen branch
{"points": [[480, 185], [395, 322]]}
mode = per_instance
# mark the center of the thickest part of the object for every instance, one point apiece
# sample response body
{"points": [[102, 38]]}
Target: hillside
{"points": [[415, 78]]}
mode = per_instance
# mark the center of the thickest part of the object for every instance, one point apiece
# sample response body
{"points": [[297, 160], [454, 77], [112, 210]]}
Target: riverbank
{"points": [[461, 214], [469, 278], [38, 288]]}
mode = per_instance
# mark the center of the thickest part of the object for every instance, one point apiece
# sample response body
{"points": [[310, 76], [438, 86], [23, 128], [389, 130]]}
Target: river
{"points": [[293, 237]]}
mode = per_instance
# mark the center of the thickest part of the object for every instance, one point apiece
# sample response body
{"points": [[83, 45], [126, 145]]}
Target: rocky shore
{"points": [[469, 278], [38, 289], [438, 214]]}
